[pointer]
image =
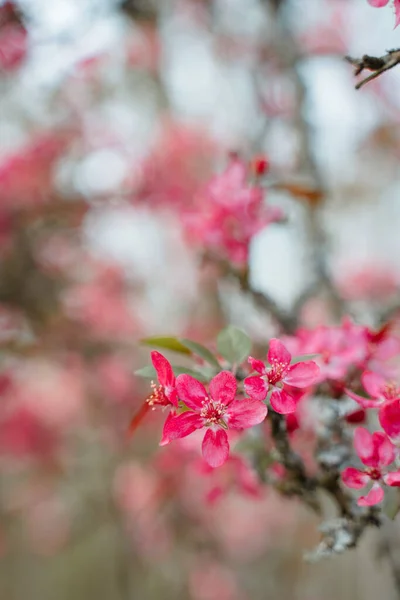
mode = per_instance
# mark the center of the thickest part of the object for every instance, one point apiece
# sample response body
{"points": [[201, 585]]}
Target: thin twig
{"points": [[376, 64]]}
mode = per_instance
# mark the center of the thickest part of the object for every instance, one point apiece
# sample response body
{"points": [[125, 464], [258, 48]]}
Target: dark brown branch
{"points": [[377, 65]]}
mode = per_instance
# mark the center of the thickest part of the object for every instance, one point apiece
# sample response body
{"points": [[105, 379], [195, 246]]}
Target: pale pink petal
{"points": [[190, 391], [179, 426], [257, 365], [384, 448], [378, 3], [364, 402], [374, 496], [389, 418], [302, 374], [215, 447], [278, 354], [245, 413], [223, 387], [364, 446], [256, 387], [164, 370], [354, 478], [373, 383], [392, 479], [282, 402]]}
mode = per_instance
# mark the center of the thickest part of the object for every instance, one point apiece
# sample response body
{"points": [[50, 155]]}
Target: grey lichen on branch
{"points": [[377, 65]]}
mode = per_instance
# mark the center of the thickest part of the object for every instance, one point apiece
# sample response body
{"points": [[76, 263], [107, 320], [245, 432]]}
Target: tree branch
{"points": [[377, 65]]}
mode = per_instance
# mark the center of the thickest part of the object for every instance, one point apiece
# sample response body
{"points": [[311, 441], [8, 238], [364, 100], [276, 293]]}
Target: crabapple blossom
{"points": [[217, 411], [377, 453], [301, 375], [378, 388]]}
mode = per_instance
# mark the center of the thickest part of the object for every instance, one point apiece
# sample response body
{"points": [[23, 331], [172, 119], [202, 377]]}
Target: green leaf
{"points": [[302, 358], [167, 343], [147, 372], [201, 351], [233, 344]]}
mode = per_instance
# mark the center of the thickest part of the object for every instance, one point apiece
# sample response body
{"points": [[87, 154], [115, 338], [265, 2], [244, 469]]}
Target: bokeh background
{"points": [[112, 115]]}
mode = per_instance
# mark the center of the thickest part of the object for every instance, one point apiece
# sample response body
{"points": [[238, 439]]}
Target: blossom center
{"points": [[157, 396], [212, 412], [391, 391], [276, 373], [374, 474]]}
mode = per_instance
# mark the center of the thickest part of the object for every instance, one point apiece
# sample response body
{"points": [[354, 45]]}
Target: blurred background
{"points": [[113, 114]]}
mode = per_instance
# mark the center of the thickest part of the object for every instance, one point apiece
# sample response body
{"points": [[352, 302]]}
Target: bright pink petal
{"points": [[389, 418], [190, 391], [278, 356], [245, 413], [302, 374], [164, 370], [392, 479], [373, 383], [223, 387], [378, 3], [354, 478], [364, 446], [257, 365], [282, 402], [256, 387], [179, 426], [215, 447], [364, 402], [374, 496], [384, 448]]}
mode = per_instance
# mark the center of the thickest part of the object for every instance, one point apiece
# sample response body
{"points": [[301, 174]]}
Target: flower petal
{"points": [[384, 448], [389, 418], [374, 496], [354, 478], [278, 354], [257, 365], [180, 426], [256, 387], [364, 446], [396, 6], [223, 387], [373, 383], [364, 402], [302, 374], [190, 391], [245, 413], [164, 370], [282, 402], [215, 447], [392, 479], [378, 3]]}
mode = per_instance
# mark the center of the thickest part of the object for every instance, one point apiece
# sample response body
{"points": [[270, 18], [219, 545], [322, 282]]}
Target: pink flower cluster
{"points": [[230, 211]]}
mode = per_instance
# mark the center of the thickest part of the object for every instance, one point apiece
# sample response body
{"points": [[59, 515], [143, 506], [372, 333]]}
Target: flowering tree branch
{"points": [[378, 65]]}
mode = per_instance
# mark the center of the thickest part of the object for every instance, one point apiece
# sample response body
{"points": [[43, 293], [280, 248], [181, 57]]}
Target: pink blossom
{"points": [[339, 348], [216, 411], [229, 212], [300, 375], [164, 394], [378, 388], [376, 452]]}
